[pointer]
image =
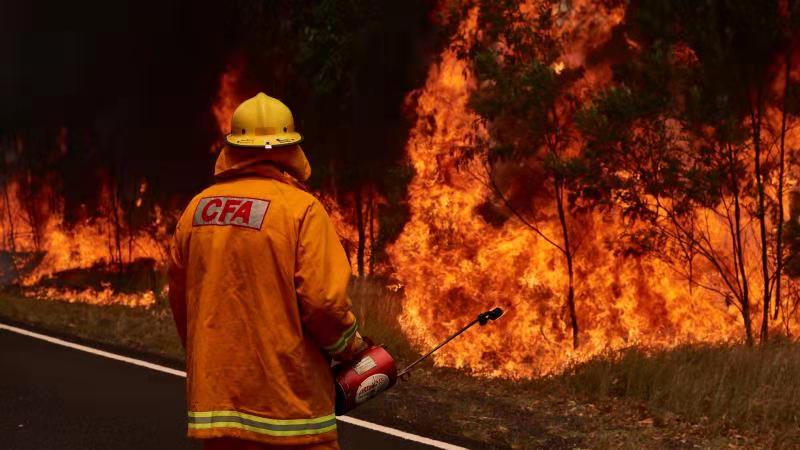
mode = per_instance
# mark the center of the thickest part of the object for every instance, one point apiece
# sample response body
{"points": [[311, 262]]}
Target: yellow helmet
{"points": [[262, 122]]}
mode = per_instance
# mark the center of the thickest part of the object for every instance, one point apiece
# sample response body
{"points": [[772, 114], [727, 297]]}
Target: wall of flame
{"points": [[453, 264]]}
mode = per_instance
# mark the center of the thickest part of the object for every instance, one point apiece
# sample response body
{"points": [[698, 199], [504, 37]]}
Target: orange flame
{"points": [[228, 97], [86, 245], [453, 264]]}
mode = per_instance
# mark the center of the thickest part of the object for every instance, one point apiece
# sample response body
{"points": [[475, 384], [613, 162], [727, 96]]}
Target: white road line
{"points": [[397, 433], [94, 351], [180, 373]]}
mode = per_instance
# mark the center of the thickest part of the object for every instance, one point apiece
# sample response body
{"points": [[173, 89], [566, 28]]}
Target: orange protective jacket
{"points": [[258, 288]]}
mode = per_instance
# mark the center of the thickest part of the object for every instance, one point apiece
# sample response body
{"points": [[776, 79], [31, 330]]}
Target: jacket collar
{"points": [[263, 169], [233, 162]]}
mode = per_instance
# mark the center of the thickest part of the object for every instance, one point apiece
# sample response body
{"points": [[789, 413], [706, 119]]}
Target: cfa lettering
{"points": [[237, 211], [241, 210]]}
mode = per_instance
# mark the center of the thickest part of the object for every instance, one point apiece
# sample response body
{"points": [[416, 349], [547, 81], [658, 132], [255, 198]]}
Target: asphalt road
{"points": [[53, 397]]}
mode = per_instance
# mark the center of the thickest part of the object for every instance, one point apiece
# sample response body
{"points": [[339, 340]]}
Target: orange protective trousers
{"points": [[239, 444]]}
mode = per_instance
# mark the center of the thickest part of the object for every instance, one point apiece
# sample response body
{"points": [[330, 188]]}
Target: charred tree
{"points": [[114, 213], [527, 103], [756, 117], [738, 249], [371, 223], [7, 205], [720, 80], [779, 259], [30, 188], [568, 255], [360, 227]]}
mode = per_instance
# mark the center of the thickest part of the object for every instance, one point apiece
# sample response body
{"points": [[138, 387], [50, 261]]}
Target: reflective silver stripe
{"points": [[205, 420], [266, 426], [341, 343]]}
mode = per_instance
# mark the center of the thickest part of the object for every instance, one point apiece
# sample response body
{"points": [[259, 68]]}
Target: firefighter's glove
{"points": [[356, 346]]}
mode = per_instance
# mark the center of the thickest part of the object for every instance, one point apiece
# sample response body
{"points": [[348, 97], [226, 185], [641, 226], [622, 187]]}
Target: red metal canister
{"points": [[373, 372]]}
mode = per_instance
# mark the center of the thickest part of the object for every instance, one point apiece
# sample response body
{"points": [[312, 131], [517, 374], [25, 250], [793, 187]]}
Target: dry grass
{"points": [[753, 390], [377, 310], [149, 331], [152, 330]]}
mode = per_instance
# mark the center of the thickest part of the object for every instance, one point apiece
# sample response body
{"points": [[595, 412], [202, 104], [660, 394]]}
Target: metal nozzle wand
{"points": [[482, 319]]}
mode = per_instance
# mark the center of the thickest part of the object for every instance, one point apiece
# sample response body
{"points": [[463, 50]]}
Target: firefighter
{"points": [[258, 288]]}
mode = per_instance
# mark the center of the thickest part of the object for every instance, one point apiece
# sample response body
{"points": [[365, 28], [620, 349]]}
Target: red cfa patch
{"points": [[237, 211]]}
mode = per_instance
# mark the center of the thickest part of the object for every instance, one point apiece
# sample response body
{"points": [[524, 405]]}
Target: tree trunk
{"points": [[761, 215], [371, 222], [781, 175], [745, 296], [30, 199], [739, 254], [7, 200], [117, 232], [562, 218], [361, 233], [689, 252], [10, 218], [129, 223], [117, 256]]}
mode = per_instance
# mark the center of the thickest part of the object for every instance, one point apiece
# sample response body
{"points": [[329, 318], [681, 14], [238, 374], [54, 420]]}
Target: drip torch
{"points": [[374, 370]]}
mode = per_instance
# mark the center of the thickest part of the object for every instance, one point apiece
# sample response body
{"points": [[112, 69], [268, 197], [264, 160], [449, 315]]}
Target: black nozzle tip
{"points": [[496, 313], [483, 318]]}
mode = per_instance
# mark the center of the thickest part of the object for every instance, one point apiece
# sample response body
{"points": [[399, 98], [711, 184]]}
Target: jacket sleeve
{"points": [[322, 274], [176, 272]]}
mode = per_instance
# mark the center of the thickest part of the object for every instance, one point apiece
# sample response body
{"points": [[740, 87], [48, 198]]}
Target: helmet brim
{"points": [[265, 141]]}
